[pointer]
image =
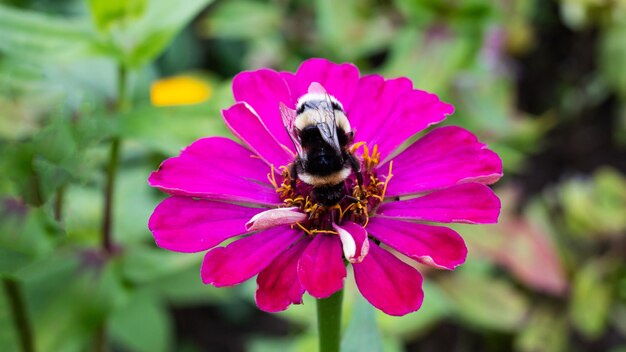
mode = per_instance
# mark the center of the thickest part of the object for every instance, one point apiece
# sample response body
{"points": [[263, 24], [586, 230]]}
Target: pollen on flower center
{"points": [[360, 200]]}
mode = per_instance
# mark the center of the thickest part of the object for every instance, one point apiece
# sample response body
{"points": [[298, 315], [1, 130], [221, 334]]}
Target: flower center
{"points": [[358, 203]]}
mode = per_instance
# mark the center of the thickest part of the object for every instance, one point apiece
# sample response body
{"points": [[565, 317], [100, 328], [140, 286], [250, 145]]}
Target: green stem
{"points": [[123, 104], [58, 204], [20, 316], [329, 322], [100, 341], [109, 188], [111, 173]]}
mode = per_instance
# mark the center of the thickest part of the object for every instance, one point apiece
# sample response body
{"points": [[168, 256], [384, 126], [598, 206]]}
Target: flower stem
{"points": [[58, 204], [114, 155], [329, 322], [107, 219], [100, 340], [20, 316]]}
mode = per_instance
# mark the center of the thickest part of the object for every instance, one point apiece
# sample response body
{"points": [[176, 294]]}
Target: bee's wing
{"points": [[327, 125], [289, 120]]}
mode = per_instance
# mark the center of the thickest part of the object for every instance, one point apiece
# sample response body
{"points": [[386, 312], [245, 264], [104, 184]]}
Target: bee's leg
{"points": [[356, 167], [293, 173]]}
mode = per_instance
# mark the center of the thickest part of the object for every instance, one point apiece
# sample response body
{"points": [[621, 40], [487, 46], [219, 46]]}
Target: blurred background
{"points": [[543, 82]]}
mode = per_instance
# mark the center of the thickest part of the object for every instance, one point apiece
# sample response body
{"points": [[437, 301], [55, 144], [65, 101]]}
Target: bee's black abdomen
{"points": [[322, 159], [329, 195], [324, 164]]}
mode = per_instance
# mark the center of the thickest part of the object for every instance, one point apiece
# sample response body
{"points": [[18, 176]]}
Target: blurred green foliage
{"points": [[551, 276]]}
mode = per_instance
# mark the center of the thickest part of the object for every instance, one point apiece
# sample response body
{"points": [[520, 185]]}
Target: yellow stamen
{"points": [[330, 232], [367, 219], [356, 146], [365, 197], [389, 176], [302, 228], [375, 154], [338, 207], [272, 178]]}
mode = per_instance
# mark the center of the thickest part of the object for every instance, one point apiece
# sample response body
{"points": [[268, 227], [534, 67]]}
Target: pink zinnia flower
{"points": [[221, 189]]}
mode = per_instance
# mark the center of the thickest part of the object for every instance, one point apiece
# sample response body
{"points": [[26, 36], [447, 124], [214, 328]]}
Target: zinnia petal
{"points": [[374, 99], [354, 241], [321, 269], [183, 224], [246, 257], [263, 90], [248, 127], [278, 284], [442, 158], [436, 246], [340, 80], [412, 113], [388, 283], [472, 203], [216, 168], [274, 217]]}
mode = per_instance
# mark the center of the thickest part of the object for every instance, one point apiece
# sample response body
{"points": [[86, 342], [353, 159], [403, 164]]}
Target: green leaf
{"points": [[142, 325], [484, 301], [430, 60], [109, 12], [83, 208], [71, 296], [170, 129], [351, 30], [26, 234], [545, 331], [39, 37], [362, 333], [149, 36], [134, 202], [12, 260], [436, 306], [186, 287], [591, 299], [613, 55], [243, 19], [594, 208], [143, 265]]}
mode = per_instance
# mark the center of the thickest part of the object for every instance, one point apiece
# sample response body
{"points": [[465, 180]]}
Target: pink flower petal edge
{"points": [[184, 224], [435, 246], [249, 127], [374, 99], [444, 157], [263, 90], [340, 80], [388, 283], [471, 203], [413, 112], [246, 257], [198, 172]]}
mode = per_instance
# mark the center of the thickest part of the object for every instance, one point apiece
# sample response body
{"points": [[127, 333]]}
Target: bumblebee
{"points": [[321, 134]]}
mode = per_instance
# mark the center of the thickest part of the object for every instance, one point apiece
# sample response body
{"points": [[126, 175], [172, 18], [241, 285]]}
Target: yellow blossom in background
{"points": [[179, 90]]}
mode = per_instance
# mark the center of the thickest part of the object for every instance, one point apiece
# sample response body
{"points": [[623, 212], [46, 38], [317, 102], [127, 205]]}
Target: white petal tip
{"points": [[274, 217]]}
